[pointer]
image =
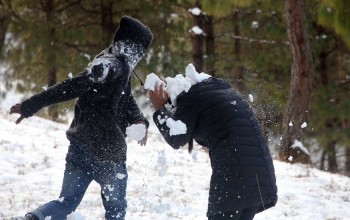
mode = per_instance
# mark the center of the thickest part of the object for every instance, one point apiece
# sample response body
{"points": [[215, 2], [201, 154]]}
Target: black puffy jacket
{"points": [[217, 117]]}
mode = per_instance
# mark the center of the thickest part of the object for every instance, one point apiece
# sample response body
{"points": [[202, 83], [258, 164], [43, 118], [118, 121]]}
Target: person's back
{"points": [[217, 117]]}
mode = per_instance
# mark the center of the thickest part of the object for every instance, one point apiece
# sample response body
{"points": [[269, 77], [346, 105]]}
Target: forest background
{"points": [[292, 57]]}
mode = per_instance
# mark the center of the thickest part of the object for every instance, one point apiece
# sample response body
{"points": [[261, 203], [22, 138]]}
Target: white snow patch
{"points": [[136, 131], [151, 80], [176, 127], [197, 30], [298, 144], [121, 176], [106, 64], [195, 11], [304, 125]]}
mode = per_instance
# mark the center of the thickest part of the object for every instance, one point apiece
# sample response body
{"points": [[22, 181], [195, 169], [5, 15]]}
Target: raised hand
{"points": [[159, 97]]}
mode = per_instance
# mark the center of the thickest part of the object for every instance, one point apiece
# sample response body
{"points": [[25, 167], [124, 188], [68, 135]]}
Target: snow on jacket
{"points": [[104, 106], [217, 117]]}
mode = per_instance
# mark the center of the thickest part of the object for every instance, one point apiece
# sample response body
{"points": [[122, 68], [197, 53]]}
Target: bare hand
{"points": [[17, 109], [159, 97]]}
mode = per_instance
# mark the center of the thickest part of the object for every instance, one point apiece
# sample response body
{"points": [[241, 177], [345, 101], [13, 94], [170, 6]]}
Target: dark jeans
{"points": [[80, 170], [245, 214]]}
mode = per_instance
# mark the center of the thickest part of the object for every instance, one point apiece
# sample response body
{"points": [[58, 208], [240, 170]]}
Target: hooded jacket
{"points": [[217, 117], [104, 105]]}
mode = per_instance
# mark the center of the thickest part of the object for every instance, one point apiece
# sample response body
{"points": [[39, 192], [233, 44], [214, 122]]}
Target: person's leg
{"points": [[113, 180], [75, 183]]}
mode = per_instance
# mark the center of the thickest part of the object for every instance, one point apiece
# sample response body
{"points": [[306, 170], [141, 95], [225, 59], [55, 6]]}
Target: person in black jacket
{"points": [[102, 112], [243, 180]]}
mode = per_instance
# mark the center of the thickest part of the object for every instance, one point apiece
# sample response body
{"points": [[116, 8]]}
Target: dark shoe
{"points": [[30, 216]]}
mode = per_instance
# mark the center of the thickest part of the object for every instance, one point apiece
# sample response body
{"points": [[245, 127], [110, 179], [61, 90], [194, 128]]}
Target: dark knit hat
{"points": [[132, 29]]}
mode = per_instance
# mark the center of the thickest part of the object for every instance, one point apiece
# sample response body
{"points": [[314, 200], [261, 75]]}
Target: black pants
{"points": [[245, 214]]}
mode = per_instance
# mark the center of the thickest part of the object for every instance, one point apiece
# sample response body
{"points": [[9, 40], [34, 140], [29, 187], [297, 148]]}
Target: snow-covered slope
{"points": [[163, 183]]}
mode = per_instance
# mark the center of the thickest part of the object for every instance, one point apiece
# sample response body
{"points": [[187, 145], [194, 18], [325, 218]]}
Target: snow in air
{"points": [[300, 145]]}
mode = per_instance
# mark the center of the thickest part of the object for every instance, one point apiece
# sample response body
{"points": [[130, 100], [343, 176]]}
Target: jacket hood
{"points": [[132, 39]]}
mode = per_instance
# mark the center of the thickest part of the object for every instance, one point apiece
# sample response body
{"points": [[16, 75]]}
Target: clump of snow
{"points": [[136, 131], [304, 125], [177, 85], [197, 30], [255, 25], [194, 76], [121, 176], [195, 11], [251, 98], [290, 124], [298, 144], [70, 75], [151, 80], [176, 127]]}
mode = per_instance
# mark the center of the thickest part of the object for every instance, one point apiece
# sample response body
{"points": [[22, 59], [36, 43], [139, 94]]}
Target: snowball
{"points": [[151, 81], [136, 131], [290, 158], [176, 127]]}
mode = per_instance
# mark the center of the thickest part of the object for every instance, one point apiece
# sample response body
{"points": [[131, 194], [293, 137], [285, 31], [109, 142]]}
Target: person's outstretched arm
{"points": [[186, 113]]}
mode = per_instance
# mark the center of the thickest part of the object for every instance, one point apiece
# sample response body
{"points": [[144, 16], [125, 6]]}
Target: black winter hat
{"points": [[132, 29]]}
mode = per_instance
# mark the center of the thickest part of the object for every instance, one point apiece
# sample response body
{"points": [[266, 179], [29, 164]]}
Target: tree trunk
{"points": [[108, 27], [347, 161], [210, 45], [322, 160], [49, 8], [301, 82], [3, 29], [197, 41], [332, 157], [237, 50]]}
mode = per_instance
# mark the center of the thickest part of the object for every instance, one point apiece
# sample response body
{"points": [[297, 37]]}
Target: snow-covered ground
{"points": [[163, 183]]}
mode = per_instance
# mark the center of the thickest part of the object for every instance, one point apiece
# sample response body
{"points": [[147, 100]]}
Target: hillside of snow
{"points": [[163, 183]]}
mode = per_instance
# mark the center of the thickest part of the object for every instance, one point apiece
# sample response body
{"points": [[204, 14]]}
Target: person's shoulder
{"points": [[101, 67]]}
